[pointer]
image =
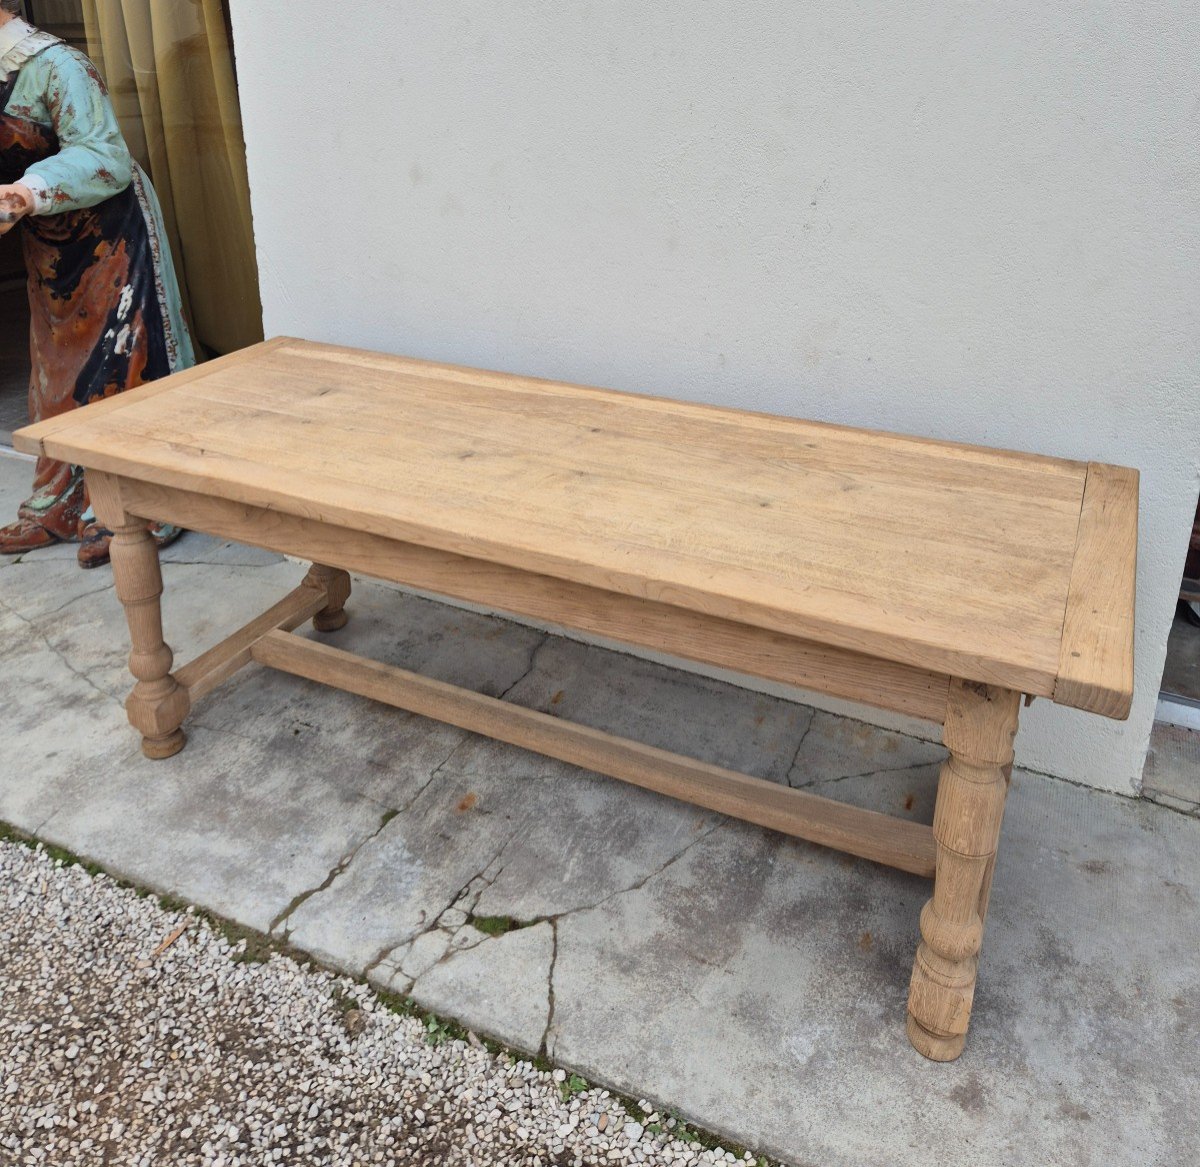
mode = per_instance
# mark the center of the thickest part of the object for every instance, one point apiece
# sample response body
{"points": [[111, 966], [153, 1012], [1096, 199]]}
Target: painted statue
{"points": [[105, 304]]}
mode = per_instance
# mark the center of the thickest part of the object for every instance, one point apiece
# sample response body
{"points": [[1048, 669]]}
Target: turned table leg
{"points": [[981, 722], [158, 703], [336, 586]]}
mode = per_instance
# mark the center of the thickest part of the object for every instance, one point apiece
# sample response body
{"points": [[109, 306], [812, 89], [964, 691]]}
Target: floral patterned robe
{"points": [[105, 305]]}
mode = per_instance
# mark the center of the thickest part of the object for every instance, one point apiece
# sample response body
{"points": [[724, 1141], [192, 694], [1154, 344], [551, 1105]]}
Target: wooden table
{"points": [[938, 580]]}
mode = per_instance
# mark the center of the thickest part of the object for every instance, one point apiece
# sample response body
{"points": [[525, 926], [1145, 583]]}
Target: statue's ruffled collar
{"points": [[19, 42]]}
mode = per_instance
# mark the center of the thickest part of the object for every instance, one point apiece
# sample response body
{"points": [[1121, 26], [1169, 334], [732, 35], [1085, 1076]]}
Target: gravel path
{"points": [[131, 1036]]}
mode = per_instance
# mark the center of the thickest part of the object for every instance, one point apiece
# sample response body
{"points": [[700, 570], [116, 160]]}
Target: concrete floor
{"points": [[753, 983]]}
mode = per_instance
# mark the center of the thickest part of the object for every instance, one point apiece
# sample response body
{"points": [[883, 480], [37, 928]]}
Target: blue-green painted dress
{"points": [[105, 305]]}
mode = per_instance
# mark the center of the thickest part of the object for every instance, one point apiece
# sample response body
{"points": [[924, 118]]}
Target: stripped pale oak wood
{"points": [[335, 584], [205, 672], [675, 631], [138, 393], [865, 833], [1095, 669], [944, 557], [981, 722], [159, 703]]}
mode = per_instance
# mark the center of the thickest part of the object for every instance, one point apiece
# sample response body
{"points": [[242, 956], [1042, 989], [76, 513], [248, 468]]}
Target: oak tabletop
{"points": [[1007, 568]]}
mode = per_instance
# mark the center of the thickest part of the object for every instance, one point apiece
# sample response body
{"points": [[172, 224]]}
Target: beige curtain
{"points": [[169, 67]]}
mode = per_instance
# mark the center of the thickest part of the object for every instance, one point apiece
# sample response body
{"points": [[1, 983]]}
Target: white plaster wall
{"points": [[974, 221]]}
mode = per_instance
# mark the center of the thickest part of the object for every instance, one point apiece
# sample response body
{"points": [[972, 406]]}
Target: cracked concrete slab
{"points": [[755, 984], [780, 974], [836, 748], [242, 827], [423, 861], [715, 722], [499, 985]]}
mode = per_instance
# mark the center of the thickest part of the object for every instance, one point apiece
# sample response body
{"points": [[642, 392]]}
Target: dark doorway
{"points": [[1181, 677], [14, 339]]}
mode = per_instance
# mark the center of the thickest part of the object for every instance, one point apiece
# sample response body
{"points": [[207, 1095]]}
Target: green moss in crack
{"points": [[499, 925], [493, 925], [438, 1030]]}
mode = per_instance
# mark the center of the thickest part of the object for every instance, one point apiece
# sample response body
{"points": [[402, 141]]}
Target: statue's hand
{"points": [[16, 201]]}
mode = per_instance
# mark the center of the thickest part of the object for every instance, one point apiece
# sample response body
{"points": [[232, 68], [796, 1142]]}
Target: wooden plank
{"points": [[867, 834], [205, 672], [505, 408], [671, 408], [31, 439], [623, 467], [675, 631], [1096, 659]]}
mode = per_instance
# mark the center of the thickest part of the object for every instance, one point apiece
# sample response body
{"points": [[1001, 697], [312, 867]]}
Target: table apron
{"points": [[677, 632]]}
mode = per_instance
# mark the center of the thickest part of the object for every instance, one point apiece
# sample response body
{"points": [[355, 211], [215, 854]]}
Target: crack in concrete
{"points": [[381, 956], [337, 870], [75, 600], [462, 893], [556, 917], [537, 648], [799, 746], [844, 777], [641, 883], [1171, 802], [553, 919], [218, 563], [340, 868], [57, 652], [543, 1044], [434, 925], [821, 782], [434, 773]]}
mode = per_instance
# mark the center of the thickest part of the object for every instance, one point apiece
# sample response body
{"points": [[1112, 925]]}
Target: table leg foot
{"points": [[164, 747], [935, 1048], [336, 586], [981, 722]]}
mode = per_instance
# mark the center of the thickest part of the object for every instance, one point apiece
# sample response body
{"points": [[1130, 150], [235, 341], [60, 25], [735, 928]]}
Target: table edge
{"points": [[1096, 654]]}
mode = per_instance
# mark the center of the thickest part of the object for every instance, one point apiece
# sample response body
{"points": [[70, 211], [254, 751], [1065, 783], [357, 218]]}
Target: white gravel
{"points": [[115, 1050]]}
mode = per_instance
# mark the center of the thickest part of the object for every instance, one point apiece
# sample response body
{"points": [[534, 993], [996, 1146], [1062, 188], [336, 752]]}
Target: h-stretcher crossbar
{"points": [[865, 833], [269, 640], [203, 674]]}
